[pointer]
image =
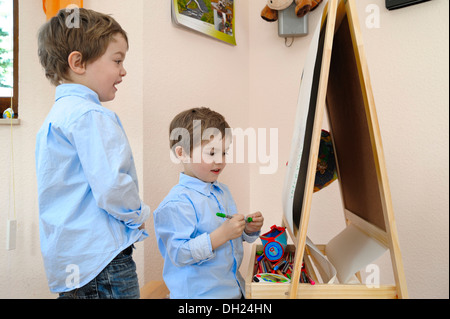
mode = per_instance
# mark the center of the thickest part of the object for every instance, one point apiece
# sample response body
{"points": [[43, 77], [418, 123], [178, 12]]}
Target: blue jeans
{"points": [[117, 281]]}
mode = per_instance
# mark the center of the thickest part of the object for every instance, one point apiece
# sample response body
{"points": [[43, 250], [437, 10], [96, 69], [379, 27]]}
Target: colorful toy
{"points": [[278, 271], [275, 242], [8, 113], [270, 11], [268, 277]]}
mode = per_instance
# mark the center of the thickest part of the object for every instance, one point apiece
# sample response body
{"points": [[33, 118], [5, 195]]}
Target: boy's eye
{"points": [[118, 61]]}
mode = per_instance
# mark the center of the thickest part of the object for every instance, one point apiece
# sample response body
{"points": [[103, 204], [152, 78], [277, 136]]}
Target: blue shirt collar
{"points": [[72, 89], [199, 185]]}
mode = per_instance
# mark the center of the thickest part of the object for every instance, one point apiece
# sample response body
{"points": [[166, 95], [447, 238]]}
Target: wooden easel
{"points": [[345, 91]]}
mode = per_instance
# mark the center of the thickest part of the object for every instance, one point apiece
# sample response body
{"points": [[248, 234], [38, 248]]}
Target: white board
{"points": [[297, 167]]}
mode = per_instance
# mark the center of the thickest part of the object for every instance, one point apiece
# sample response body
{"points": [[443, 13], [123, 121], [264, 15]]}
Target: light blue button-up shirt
{"points": [[183, 222], [89, 204]]}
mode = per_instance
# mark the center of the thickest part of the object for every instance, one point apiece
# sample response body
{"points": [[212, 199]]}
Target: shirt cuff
{"points": [[250, 238], [201, 248], [142, 215], [143, 235]]}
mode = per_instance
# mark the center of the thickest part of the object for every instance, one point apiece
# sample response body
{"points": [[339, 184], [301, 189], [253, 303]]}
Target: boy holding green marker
{"points": [[247, 219], [202, 249]]}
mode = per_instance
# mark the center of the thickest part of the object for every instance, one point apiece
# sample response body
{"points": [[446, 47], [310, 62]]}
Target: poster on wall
{"points": [[214, 18]]}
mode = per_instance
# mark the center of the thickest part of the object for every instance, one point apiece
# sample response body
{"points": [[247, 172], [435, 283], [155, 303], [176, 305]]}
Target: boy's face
{"points": [[207, 161], [106, 72]]}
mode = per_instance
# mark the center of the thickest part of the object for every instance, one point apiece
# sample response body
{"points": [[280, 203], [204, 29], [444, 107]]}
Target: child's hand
{"points": [[256, 224], [230, 229], [234, 227]]}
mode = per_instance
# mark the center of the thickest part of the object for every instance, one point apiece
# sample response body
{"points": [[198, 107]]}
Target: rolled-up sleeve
{"points": [[201, 248], [107, 162], [250, 238], [175, 231]]}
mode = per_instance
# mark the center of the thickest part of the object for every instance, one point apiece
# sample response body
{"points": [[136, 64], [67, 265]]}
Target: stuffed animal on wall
{"points": [[302, 7]]}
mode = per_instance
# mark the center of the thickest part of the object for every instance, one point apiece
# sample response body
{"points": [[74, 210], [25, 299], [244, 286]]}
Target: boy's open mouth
{"points": [[216, 171]]}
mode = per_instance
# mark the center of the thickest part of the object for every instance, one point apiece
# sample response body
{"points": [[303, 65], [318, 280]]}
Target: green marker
{"points": [[247, 220]]}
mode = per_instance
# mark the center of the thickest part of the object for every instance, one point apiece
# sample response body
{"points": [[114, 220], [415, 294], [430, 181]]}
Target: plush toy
{"points": [[270, 11]]}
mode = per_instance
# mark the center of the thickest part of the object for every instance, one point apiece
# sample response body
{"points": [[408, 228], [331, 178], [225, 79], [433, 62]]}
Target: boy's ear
{"points": [[76, 63], [180, 153]]}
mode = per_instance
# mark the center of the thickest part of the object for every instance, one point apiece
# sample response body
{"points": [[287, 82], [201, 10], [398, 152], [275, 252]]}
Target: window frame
{"points": [[5, 102]]}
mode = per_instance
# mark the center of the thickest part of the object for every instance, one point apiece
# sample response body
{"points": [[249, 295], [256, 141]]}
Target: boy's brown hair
{"points": [[185, 121], [58, 38]]}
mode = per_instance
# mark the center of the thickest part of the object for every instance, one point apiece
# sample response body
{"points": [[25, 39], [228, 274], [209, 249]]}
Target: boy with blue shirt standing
{"points": [[90, 212], [202, 252]]}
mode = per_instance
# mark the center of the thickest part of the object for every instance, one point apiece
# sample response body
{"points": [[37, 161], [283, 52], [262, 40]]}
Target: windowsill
{"points": [[8, 122]]}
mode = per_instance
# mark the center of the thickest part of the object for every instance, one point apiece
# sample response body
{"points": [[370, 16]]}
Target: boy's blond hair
{"points": [[58, 38], [196, 116]]}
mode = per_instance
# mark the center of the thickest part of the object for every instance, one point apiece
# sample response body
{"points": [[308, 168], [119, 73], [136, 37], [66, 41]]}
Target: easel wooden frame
{"points": [[345, 92]]}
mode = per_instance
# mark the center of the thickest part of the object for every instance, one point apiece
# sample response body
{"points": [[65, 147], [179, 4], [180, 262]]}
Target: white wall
{"points": [[254, 84], [408, 58], [22, 274]]}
